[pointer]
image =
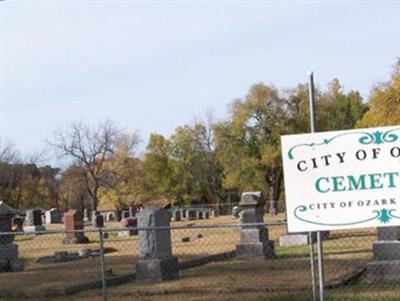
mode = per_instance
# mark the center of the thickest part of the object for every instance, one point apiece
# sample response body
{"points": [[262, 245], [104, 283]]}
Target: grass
{"points": [[96, 296], [233, 279]]}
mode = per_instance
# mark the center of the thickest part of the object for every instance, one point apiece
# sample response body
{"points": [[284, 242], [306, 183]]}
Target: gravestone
{"points": [[73, 221], [387, 233], [17, 224], [9, 261], [86, 214], [95, 215], [253, 239], [132, 211], [156, 262], [385, 267], [130, 224], [176, 215], [98, 221], [33, 221], [53, 216], [298, 239], [235, 211], [118, 215], [191, 215], [110, 216], [125, 213]]}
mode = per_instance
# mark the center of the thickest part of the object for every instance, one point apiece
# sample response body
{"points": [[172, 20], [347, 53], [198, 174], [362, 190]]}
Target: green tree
{"points": [[248, 145], [197, 171], [158, 168], [337, 110], [184, 167], [384, 103]]}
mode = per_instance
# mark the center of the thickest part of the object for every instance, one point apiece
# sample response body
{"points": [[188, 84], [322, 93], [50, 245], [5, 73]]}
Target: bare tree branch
{"points": [[90, 147]]}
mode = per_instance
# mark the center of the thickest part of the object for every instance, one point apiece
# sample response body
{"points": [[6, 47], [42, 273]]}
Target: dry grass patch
{"points": [[344, 251]]}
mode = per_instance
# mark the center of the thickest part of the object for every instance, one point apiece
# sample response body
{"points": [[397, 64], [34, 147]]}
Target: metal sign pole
{"points": [[319, 240], [312, 268]]}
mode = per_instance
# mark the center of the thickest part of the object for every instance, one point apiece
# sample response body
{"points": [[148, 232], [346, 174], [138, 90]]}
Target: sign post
{"points": [[319, 240]]}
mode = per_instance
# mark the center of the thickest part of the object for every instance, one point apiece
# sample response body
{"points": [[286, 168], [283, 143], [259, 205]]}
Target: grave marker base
{"points": [[265, 249], [157, 270], [9, 261], [387, 271], [76, 240], [30, 229]]}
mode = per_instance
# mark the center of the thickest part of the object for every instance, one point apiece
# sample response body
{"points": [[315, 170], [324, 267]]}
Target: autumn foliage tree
{"points": [[384, 104], [89, 147]]}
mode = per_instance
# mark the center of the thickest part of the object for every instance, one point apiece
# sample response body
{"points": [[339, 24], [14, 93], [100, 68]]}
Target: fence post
{"points": [[102, 265]]}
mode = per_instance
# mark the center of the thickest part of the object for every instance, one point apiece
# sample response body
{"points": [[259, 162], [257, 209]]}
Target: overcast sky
{"points": [[153, 67]]}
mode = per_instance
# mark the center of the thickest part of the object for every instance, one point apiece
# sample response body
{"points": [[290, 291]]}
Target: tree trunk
{"points": [[93, 203]]}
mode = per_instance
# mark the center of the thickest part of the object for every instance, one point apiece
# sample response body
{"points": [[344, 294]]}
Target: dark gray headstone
{"points": [[132, 211], [33, 221], [176, 215], [8, 251], [191, 214], [118, 215], [110, 216], [253, 238], [385, 268], [156, 262], [387, 233], [125, 214], [53, 216]]}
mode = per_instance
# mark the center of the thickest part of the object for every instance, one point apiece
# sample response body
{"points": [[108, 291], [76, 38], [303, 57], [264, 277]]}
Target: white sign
{"points": [[342, 180]]}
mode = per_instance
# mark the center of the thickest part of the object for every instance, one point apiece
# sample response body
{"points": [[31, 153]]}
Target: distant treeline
{"points": [[206, 162]]}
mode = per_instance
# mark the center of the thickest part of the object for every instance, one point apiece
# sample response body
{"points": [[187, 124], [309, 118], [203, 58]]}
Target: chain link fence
{"points": [[229, 208], [209, 268]]}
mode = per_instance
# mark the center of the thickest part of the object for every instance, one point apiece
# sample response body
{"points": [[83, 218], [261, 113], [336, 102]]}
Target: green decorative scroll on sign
{"points": [[383, 215], [377, 137]]}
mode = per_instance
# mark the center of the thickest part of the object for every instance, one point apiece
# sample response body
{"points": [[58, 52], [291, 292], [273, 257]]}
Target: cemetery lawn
{"points": [[229, 279], [331, 296]]}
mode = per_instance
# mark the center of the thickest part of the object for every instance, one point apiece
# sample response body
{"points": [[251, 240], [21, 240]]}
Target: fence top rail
{"points": [[173, 227], [213, 205]]}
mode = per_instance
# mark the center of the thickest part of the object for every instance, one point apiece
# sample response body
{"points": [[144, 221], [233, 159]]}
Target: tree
{"points": [[335, 109], [72, 189], [183, 167], [48, 186], [159, 168], [8, 153], [248, 145], [198, 174], [384, 104], [26, 184], [90, 147], [338, 110], [124, 178]]}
